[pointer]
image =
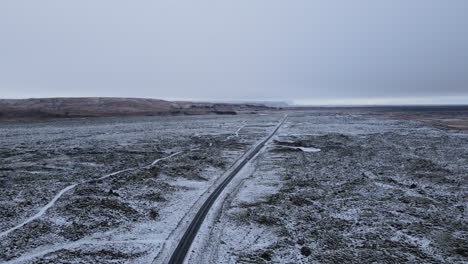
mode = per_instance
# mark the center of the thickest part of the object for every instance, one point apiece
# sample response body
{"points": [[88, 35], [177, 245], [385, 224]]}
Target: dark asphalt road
{"points": [[179, 254]]}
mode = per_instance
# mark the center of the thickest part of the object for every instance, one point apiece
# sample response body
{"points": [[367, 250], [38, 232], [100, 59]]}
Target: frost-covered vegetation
{"points": [[377, 192], [81, 190], [330, 187]]}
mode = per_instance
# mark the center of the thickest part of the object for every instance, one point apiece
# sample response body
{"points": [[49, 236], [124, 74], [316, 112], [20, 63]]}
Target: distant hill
{"points": [[108, 106]]}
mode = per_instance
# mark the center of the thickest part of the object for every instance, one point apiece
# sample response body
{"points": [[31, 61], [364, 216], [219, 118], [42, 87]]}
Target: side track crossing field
{"points": [[328, 187]]}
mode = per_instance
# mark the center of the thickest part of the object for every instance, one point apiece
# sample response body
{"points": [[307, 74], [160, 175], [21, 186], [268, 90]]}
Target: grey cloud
{"points": [[261, 49]]}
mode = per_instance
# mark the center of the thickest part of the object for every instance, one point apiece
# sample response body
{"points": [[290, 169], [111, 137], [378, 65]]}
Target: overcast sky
{"points": [[234, 50]]}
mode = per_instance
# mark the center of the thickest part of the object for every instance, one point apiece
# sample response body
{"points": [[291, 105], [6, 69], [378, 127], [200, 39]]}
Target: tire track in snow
{"points": [[44, 209], [41, 211], [168, 157], [236, 134], [63, 191], [76, 244]]}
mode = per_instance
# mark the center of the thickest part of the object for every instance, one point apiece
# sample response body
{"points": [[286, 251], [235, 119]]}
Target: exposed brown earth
{"points": [[453, 117], [457, 121]]}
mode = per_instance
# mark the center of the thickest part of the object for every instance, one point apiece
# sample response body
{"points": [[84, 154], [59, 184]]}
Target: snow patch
{"points": [[43, 210], [305, 149]]}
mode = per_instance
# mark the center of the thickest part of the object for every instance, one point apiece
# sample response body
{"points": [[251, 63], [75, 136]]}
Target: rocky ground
{"points": [[117, 207], [330, 187], [378, 191]]}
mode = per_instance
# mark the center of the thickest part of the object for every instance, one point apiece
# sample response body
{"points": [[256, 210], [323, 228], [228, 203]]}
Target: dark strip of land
{"points": [[109, 106]]}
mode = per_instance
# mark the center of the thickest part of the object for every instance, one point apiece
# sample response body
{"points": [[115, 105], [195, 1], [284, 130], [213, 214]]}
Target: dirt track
{"points": [[378, 191], [118, 218]]}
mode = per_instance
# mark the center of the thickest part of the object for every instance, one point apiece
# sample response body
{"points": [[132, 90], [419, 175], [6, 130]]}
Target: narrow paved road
{"points": [[179, 254]]}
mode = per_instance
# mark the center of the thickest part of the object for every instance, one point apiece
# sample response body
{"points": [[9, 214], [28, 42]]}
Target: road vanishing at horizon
{"points": [[183, 247]]}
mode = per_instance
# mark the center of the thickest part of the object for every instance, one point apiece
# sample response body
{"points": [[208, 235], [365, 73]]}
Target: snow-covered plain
{"points": [[111, 189], [379, 191], [328, 188]]}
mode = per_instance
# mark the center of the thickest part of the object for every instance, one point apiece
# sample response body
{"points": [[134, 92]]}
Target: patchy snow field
{"points": [[378, 191], [329, 188], [111, 190]]}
